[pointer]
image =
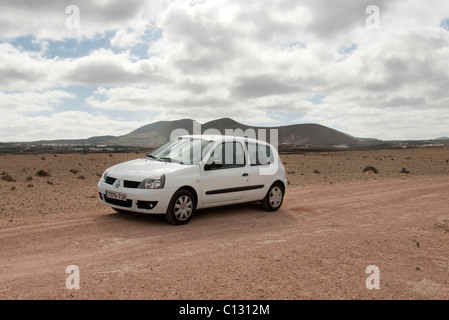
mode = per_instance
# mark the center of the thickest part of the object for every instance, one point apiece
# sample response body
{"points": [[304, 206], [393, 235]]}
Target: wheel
{"points": [[181, 208], [273, 199]]}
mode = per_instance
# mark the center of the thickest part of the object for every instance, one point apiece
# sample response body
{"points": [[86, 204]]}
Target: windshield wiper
{"points": [[167, 159], [153, 157]]}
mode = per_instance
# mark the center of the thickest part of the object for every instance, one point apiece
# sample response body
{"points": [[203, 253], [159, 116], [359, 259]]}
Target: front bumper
{"points": [[153, 201]]}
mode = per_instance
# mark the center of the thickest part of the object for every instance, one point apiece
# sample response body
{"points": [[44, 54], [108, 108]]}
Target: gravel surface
{"points": [[336, 221]]}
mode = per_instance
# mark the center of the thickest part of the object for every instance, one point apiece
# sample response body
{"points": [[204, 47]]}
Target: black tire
{"points": [[181, 208], [274, 198]]}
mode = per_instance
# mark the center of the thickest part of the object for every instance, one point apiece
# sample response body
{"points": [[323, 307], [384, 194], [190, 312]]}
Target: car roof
{"points": [[225, 138]]}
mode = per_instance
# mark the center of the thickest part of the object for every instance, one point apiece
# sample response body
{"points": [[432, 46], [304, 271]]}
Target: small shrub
{"points": [[7, 177], [370, 169], [43, 158], [49, 182], [81, 177], [316, 171], [13, 188], [29, 179], [404, 170], [30, 185], [74, 171], [42, 173]]}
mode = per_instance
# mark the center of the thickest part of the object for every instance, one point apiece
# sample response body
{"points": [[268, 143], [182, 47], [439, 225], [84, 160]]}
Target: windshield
{"points": [[184, 151]]}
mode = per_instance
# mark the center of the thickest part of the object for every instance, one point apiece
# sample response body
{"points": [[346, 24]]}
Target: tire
{"points": [[181, 208], [274, 198]]}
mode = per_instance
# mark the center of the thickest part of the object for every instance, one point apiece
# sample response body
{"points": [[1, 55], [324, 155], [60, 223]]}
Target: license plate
{"points": [[116, 195]]}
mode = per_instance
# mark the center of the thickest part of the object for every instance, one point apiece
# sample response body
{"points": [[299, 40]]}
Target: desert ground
{"points": [[336, 220]]}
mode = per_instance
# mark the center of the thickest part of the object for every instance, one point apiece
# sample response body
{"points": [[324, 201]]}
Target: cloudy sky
{"points": [[81, 68]]}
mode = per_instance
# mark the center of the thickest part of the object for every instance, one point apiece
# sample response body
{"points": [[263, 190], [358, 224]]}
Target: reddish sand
{"points": [[334, 223]]}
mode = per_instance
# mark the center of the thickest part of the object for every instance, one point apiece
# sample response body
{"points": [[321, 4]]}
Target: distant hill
{"points": [[157, 133], [297, 134], [153, 134]]}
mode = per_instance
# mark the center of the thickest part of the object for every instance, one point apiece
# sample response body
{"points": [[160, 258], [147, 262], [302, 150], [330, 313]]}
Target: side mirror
{"points": [[213, 164]]}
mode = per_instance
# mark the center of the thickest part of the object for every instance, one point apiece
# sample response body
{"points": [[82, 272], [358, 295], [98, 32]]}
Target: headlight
{"points": [[105, 175], [153, 183]]}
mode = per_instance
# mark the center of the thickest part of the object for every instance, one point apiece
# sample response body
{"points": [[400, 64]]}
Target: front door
{"points": [[225, 176]]}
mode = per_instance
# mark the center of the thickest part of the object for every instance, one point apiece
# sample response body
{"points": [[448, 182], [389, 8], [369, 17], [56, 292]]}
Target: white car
{"points": [[194, 172]]}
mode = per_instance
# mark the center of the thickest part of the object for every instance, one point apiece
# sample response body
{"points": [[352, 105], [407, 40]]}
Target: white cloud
{"points": [[104, 67], [46, 19], [21, 70], [248, 60], [381, 123], [30, 70], [31, 101], [62, 125], [124, 39]]}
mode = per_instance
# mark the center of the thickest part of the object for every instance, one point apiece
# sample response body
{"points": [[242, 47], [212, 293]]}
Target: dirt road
{"points": [[317, 246]]}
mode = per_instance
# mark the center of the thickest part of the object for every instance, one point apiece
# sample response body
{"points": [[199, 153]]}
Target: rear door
{"points": [[260, 157]]}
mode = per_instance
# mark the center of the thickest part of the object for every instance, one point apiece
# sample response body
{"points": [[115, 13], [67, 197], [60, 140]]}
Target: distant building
{"points": [[341, 146], [431, 145]]}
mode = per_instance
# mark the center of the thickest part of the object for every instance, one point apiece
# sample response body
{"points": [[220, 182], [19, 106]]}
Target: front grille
{"points": [[110, 180], [126, 204], [131, 184]]}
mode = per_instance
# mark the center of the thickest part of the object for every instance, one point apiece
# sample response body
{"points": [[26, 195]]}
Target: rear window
{"points": [[259, 154]]}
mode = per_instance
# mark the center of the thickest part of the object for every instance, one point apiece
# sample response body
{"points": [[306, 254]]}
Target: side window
{"points": [[228, 155], [259, 154]]}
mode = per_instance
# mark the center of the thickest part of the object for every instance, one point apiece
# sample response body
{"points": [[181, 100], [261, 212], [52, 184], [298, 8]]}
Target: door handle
{"points": [[244, 175]]}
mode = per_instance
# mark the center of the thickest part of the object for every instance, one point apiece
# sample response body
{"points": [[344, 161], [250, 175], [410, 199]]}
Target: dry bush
{"points": [[370, 169], [42, 173]]}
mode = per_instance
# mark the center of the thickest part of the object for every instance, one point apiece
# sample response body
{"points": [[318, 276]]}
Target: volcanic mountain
{"points": [[157, 133]]}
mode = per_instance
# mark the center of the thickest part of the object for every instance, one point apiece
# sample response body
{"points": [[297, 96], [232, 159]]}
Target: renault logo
{"points": [[117, 184]]}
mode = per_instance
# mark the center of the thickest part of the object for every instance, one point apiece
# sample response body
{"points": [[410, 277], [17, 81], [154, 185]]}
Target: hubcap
{"points": [[183, 208], [275, 197]]}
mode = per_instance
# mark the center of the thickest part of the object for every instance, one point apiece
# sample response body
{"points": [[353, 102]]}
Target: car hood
{"points": [[140, 169]]}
